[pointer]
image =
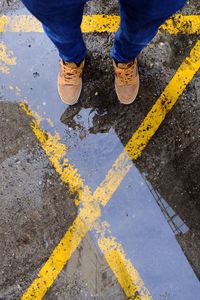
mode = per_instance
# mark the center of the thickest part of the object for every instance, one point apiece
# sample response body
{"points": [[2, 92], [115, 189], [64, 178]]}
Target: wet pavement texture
{"points": [[154, 214]]}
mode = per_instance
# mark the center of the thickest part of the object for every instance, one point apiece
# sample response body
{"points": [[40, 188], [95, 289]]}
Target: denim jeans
{"points": [[140, 20]]}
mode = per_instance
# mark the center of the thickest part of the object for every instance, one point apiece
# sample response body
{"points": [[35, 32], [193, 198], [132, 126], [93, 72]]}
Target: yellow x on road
{"points": [[91, 204]]}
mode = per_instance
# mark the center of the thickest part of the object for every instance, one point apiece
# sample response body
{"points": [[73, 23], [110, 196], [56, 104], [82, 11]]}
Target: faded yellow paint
{"points": [[23, 23], [6, 59], [90, 212], [178, 24], [17, 91], [4, 20], [113, 179], [50, 122]]}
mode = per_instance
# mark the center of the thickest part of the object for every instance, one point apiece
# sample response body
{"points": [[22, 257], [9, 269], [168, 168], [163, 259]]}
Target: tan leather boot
{"points": [[70, 81], [126, 81]]}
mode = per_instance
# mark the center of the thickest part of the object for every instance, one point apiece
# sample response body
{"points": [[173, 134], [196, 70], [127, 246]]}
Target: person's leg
{"points": [[140, 20], [61, 21]]}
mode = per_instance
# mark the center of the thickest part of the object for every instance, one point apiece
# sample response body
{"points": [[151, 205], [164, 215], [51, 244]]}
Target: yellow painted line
{"points": [[164, 104], [56, 152], [4, 21], [84, 221], [119, 263], [113, 179], [122, 269], [7, 59], [90, 212], [61, 254], [178, 24]]}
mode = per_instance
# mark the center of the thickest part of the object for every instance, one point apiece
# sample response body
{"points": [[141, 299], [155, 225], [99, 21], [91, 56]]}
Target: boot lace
{"points": [[127, 76], [71, 75]]}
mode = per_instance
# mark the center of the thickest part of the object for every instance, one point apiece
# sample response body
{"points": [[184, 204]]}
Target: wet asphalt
{"points": [[155, 213]]}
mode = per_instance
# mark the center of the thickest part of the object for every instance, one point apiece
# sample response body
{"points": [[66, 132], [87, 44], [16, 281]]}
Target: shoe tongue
{"points": [[71, 65], [125, 65]]}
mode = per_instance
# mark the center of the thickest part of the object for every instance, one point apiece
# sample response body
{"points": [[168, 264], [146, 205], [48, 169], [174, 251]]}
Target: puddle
{"points": [[149, 226]]}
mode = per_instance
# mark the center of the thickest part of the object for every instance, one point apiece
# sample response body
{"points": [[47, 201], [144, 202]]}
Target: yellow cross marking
{"points": [[86, 220], [91, 211]]}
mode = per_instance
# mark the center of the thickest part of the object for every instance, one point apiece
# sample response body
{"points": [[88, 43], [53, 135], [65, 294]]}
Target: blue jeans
{"points": [[140, 20]]}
